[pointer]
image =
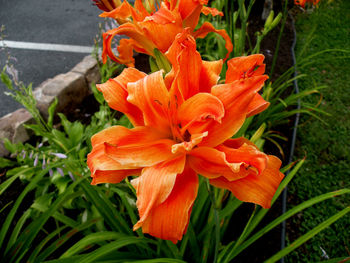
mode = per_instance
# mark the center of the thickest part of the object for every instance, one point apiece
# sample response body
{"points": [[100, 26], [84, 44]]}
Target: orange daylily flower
{"points": [[156, 29], [303, 2], [107, 5], [183, 127]]}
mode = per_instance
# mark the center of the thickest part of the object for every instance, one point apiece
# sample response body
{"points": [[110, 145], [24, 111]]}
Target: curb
{"points": [[69, 88]]}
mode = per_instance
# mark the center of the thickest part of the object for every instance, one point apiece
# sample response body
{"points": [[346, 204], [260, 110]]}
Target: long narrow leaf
{"points": [[113, 246], [106, 209], [91, 239], [24, 242], [301, 240], [6, 225], [17, 229], [287, 215], [52, 248], [44, 242]]}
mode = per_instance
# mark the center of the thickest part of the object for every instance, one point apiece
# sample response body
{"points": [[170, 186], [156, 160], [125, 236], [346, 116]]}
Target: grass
{"points": [[327, 147]]}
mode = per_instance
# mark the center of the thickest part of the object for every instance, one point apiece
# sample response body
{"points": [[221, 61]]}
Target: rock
{"points": [[89, 68], [11, 127], [70, 89]]}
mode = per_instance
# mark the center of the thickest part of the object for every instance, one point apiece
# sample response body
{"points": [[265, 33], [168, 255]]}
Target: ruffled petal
{"points": [[257, 105], [236, 97], [245, 153], [245, 67], [112, 177], [258, 189], [162, 27], [207, 28], [187, 146], [130, 30], [115, 93], [210, 75], [155, 184], [188, 7], [199, 111], [211, 11], [119, 135], [170, 219], [141, 12], [100, 162], [151, 96], [107, 5], [187, 64], [142, 154], [121, 13], [212, 163]]}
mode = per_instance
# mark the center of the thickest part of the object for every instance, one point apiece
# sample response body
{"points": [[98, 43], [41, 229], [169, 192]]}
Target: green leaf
{"points": [[88, 240], [11, 147], [24, 242], [336, 260], [301, 240], [6, 163], [51, 112], [6, 225], [59, 242], [105, 208], [44, 242], [284, 217], [112, 247], [157, 260]]}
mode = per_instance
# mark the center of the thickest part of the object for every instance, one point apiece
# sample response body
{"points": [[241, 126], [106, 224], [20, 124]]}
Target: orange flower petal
{"points": [[119, 135], [126, 51], [142, 154], [246, 153], [210, 75], [112, 177], [198, 111], [141, 11], [151, 96], [257, 105], [162, 27], [236, 97], [122, 12], [130, 30], [187, 146], [115, 93], [191, 19], [155, 184], [212, 163], [211, 11], [187, 64], [245, 67], [187, 7], [99, 160], [258, 189], [170, 219], [207, 28]]}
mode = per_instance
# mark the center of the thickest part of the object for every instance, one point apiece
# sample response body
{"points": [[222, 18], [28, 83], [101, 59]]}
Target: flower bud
{"points": [[276, 20], [269, 19]]}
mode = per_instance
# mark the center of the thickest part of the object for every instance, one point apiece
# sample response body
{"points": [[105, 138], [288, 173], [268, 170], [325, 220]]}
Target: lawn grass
{"points": [[327, 147]]}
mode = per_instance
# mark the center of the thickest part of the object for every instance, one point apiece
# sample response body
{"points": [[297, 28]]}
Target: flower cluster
{"points": [[183, 124], [303, 2], [155, 27]]}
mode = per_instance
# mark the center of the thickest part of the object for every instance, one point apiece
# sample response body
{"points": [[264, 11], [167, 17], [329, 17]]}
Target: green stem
{"points": [[275, 55], [217, 222]]}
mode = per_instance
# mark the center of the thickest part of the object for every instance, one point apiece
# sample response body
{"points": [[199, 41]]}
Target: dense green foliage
{"points": [[327, 166]]}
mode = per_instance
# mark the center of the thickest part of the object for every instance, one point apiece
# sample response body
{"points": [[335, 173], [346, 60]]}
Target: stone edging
{"points": [[70, 89]]}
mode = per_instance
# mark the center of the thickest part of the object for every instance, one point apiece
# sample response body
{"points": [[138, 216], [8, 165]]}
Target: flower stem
{"points": [[217, 222]]}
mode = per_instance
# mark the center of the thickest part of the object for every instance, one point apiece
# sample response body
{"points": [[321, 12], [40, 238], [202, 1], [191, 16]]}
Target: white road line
{"points": [[45, 46]]}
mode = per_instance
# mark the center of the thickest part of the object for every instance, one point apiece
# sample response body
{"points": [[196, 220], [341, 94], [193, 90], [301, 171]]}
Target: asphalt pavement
{"points": [[37, 25]]}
